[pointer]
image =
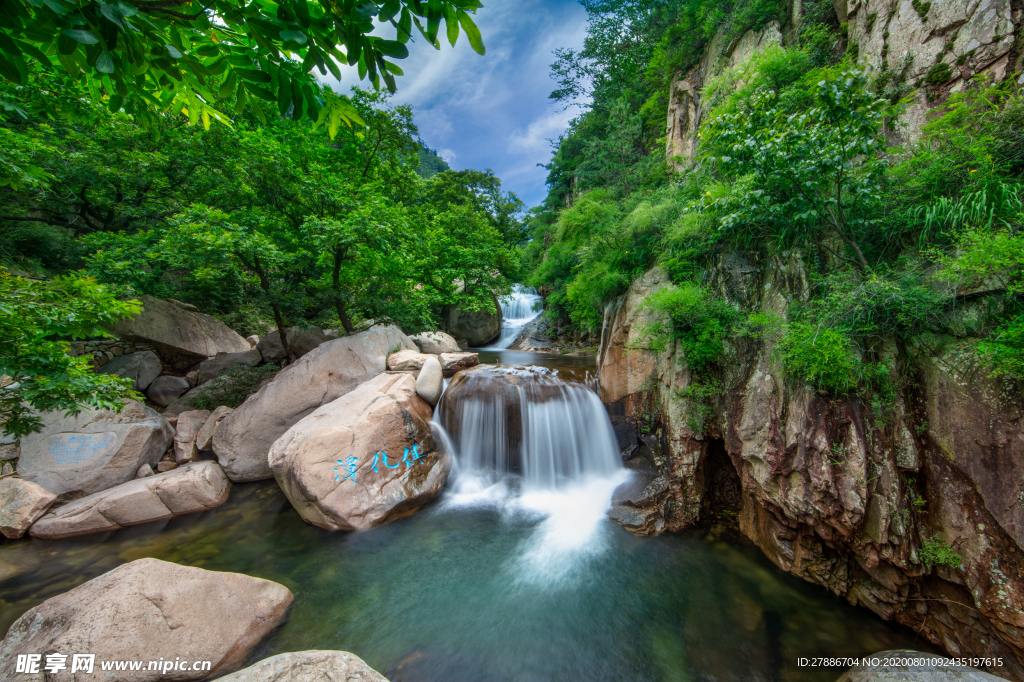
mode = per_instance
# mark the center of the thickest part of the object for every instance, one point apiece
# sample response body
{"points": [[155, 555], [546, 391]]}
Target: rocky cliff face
{"points": [[931, 46], [830, 489]]}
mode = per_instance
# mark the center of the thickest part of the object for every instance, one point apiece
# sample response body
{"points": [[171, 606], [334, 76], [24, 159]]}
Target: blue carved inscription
{"points": [[76, 449]]}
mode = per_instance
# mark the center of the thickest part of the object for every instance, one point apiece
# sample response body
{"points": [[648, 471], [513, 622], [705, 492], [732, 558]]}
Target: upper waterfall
{"points": [[517, 309]]}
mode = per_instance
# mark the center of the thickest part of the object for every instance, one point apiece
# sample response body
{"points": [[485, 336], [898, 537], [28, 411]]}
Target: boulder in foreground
{"points": [[243, 439], [94, 450], [430, 381], [21, 503], [363, 460], [150, 609], [308, 666], [193, 487], [406, 360]]}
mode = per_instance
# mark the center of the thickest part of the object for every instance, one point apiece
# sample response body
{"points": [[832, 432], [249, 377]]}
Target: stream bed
{"points": [[495, 582]]}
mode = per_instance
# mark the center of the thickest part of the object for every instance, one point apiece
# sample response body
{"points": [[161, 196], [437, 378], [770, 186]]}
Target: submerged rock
{"points": [[365, 459], [194, 487], [150, 609], [243, 439], [308, 666], [21, 503], [93, 451]]}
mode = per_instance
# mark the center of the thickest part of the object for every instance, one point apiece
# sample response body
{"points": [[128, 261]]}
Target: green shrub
{"points": [[939, 74], [702, 397], [820, 356], [232, 386], [937, 552], [693, 317]]}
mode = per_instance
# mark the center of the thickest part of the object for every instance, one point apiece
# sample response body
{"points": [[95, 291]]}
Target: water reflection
{"points": [[451, 594]]}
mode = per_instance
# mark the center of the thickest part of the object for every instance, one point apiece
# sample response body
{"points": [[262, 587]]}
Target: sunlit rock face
{"points": [[365, 459], [831, 488]]}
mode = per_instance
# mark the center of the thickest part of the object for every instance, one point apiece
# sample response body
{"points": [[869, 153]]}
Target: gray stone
{"points": [[185, 434], [194, 487], [406, 360], [430, 382], [144, 471], [142, 368], [435, 343], [166, 389], [150, 609], [204, 440], [21, 503], [243, 439], [456, 362], [308, 666], [929, 670], [174, 330], [252, 340], [93, 451], [381, 418], [166, 465], [477, 326], [208, 369], [300, 341]]}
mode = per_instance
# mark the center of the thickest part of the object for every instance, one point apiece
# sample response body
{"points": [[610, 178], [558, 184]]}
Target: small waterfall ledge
{"points": [[518, 309]]}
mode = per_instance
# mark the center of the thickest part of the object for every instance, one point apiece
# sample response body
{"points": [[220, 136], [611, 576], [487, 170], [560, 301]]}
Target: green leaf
{"points": [[405, 26], [451, 23], [294, 36], [297, 100], [472, 33], [389, 10], [81, 36], [260, 92], [104, 63], [392, 48], [284, 95], [253, 75], [173, 51]]}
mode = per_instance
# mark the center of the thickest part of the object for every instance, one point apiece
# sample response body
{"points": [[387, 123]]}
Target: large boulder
{"points": [[405, 360], [142, 368], [186, 432], [208, 369], [362, 460], [179, 333], [430, 382], [21, 503], [94, 450], [477, 326], [150, 609], [300, 341], [193, 487], [243, 439], [435, 343], [308, 666], [166, 389]]}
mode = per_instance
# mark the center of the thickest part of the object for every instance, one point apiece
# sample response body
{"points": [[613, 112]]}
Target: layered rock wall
{"points": [[834, 490]]}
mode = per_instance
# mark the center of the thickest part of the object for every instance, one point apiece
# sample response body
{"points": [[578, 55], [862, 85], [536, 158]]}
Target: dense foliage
{"points": [[795, 158]]}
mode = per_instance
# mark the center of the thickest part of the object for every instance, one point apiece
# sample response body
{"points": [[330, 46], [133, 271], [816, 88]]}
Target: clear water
{"points": [[501, 581]]}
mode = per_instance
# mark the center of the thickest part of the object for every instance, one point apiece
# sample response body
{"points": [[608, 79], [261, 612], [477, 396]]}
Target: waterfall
{"points": [[517, 309], [529, 422]]}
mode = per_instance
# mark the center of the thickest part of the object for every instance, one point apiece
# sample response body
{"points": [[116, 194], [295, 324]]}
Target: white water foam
{"points": [[518, 309]]}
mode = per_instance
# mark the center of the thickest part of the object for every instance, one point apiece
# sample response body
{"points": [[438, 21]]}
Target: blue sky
{"points": [[493, 111]]}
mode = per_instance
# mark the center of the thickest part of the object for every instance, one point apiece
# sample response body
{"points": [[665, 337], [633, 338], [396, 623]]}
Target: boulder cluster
{"points": [[344, 428]]}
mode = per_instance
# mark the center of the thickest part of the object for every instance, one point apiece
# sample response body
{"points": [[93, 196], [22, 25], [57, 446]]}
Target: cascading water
{"points": [[528, 441], [517, 310]]}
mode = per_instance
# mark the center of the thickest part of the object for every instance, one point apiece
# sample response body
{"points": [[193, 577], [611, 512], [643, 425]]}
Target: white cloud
{"points": [[448, 155]]}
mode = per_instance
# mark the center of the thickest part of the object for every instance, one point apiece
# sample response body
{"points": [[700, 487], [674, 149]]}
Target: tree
{"points": [[151, 56], [819, 169], [481, 191], [39, 375]]}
